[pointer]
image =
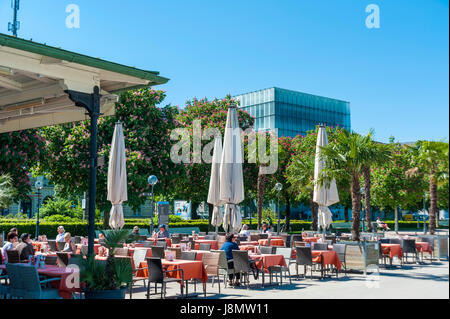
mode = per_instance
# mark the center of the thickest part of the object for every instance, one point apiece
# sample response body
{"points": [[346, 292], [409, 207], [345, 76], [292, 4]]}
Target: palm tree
{"points": [[345, 158], [377, 153], [300, 174], [431, 159]]}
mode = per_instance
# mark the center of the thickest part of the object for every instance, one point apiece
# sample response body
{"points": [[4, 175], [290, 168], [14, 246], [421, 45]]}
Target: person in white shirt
{"points": [[61, 234], [12, 239], [245, 232]]}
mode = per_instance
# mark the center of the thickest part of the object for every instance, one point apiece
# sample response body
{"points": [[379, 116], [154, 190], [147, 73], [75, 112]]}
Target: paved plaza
{"points": [[429, 280]]}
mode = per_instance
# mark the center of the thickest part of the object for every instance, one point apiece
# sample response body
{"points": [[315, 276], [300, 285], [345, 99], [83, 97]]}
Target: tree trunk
{"points": [[210, 211], [314, 211], [288, 214], [346, 213], [261, 185], [367, 193], [396, 218], [356, 206], [194, 208], [433, 202]]}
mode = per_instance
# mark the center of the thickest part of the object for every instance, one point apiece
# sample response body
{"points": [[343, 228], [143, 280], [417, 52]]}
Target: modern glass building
{"points": [[293, 112]]}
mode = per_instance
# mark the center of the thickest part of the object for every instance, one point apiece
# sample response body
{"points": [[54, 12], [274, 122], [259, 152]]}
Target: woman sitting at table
{"points": [[163, 233], [381, 224], [228, 247], [265, 229], [9, 245], [69, 247], [25, 247], [244, 232]]}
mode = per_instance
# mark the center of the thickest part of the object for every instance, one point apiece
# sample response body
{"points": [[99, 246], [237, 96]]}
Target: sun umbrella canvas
{"points": [[117, 178], [214, 184], [326, 194], [231, 178]]}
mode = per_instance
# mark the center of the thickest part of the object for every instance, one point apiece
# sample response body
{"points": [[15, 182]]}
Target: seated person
{"points": [[61, 234], [163, 233], [381, 224], [265, 228], [228, 247], [69, 247], [244, 232], [135, 231], [25, 247], [11, 239]]}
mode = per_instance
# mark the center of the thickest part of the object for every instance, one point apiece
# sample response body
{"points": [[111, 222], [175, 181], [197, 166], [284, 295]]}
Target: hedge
{"points": [[80, 228]]}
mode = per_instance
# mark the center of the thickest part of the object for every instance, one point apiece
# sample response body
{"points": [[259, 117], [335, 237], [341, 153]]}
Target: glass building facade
{"points": [[293, 112]]}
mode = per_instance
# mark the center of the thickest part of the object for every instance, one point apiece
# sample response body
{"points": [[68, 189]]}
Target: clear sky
{"points": [[395, 77]]}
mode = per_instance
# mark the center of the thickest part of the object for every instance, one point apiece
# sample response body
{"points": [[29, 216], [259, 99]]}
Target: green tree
{"points": [[19, 151], [194, 183], [345, 158], [431, 159], [392, 186], [300, 171], [7, 191], [147, 141]]}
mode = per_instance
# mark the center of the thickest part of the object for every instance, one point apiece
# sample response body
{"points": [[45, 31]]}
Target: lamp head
{"points": [[278, 187], [152, 180], [38, 185]]}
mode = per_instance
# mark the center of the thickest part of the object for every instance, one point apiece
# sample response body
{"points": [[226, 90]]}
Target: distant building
{"points": [[293, 112]]}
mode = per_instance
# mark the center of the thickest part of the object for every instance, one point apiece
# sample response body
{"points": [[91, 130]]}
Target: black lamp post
{"points": [[278, 188], [38, 186], [152, 180]]}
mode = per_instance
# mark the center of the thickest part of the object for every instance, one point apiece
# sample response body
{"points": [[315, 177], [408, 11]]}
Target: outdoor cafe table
{"points": [[310, 239], [423, 247], [264, 261], [191, 270], [55, 272], [273, 242], [250, 248], [255, 242], [392, 250], [214, 243], [326, 257], [37, 245]]}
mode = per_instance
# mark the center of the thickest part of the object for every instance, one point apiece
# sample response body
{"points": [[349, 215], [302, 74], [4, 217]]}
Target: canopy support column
{"points": [[91, 102]]}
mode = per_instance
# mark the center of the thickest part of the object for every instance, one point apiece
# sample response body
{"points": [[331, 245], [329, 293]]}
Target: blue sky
{"points": [[395, 77]]}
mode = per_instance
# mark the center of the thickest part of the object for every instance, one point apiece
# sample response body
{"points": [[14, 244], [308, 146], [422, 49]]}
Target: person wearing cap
{"points": [[163, 233], [25, 248], [61, 234]]}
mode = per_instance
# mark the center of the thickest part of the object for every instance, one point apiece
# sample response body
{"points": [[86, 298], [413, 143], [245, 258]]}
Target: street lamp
{"points": [[38, 186], [152, 180], [278, 188]]}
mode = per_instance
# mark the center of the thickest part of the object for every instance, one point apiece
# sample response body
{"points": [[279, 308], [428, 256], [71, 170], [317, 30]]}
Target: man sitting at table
{"points": [[228, 247], [25, 247], [61, 234], [163, 233]]}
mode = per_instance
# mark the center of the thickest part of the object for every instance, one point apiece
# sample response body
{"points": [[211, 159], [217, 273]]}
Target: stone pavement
{"points": [[429, 280]]}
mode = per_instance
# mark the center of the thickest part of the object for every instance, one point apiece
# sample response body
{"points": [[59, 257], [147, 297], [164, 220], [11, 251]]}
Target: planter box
{"points": [[440, 245], [362, 255]]}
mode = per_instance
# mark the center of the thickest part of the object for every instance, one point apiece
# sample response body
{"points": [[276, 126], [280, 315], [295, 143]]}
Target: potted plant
{"points": [[108, 279]]}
